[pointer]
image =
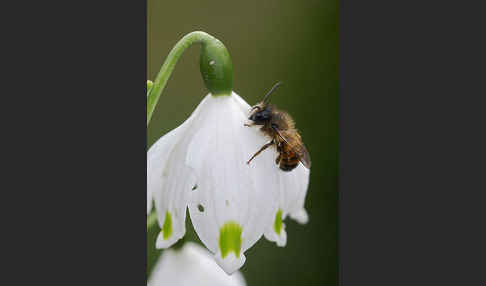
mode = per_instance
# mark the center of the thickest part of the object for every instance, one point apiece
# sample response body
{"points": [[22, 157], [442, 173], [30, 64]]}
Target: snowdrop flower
{"points": [[201, 165], [189, 266]]}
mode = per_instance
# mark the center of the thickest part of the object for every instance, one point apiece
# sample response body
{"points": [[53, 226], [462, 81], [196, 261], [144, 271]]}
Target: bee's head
{"points": [[260, 114]]}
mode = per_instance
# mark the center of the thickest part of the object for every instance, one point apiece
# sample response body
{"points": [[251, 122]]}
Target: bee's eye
{"points": [[265, 114], [261, 116]]}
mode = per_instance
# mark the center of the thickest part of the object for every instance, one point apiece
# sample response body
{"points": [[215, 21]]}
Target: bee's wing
{"points": [[297, 147]]}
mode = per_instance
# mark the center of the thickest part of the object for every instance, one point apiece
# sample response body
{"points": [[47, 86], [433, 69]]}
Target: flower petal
{"points": [[171, 203], [276, 232], [149, 202], [293, 189], [296, 209], [300, 216], [230, 263], [191, 265], [170, 181], [230, 191]]}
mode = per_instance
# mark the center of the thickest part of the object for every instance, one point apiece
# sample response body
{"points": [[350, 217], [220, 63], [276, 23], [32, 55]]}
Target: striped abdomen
{"points": [[287, 159]]}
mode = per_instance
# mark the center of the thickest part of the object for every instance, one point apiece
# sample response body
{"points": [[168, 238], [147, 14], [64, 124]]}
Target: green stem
{"points": [[151, 220], [215, 64], [149, 86]]}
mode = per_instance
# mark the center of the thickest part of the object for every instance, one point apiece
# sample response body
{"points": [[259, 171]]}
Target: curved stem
{"points": [[216, 67]]}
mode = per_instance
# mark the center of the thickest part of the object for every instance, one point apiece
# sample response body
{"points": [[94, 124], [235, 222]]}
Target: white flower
{"points": [[293, 188], [189, 266], [202, 165]]}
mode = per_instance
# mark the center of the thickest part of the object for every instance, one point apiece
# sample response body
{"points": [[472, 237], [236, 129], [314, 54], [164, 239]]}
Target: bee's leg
{"points": [[261, 149], [278, 159], [248, 124]]}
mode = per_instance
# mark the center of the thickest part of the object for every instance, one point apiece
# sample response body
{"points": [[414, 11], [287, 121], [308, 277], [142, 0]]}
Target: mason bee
{"points": [[279, 126]]}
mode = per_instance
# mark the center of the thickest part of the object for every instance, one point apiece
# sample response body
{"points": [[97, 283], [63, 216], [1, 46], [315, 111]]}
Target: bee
{"points": [[280, 127]]}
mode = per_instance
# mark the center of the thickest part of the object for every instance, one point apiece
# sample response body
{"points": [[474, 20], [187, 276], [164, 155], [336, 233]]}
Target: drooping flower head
{"points": [[201, 165]]}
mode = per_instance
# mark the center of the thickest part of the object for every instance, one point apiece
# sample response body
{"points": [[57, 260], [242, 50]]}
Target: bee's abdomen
{"points": [[288, 162]]}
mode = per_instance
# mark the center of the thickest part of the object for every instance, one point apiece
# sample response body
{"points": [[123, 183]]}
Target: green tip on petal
{"points": [[278, 222], [167, 227], [230, 239]]}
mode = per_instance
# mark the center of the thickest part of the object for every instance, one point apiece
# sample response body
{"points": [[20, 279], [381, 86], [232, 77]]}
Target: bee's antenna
{"points": [[271, 90]]}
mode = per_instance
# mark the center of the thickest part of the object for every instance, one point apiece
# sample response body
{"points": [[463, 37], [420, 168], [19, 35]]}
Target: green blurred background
{"points": [[292, 41]]}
